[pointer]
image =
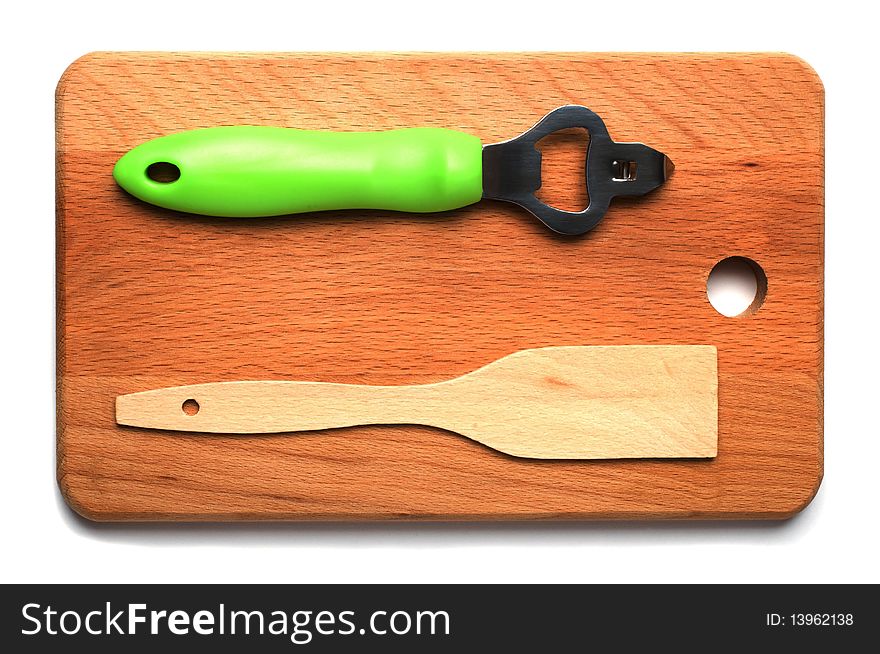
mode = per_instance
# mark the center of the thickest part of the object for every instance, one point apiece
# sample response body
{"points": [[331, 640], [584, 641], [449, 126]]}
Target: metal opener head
{"points": [[512, 170]]}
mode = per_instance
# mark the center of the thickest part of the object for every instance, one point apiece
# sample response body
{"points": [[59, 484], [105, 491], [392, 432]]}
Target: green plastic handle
{"points": [[249, 171]]}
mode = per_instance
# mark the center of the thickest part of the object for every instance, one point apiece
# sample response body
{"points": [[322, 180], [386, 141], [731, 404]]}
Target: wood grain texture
{"points": [[575, 402], [148, 298]]}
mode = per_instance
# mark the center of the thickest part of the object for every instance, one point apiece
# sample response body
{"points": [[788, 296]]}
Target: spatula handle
{"points": [[246, 171], [262, 407]]}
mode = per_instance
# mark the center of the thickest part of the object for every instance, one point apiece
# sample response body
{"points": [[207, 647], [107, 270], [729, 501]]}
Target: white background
{"points": [[834, 539]]}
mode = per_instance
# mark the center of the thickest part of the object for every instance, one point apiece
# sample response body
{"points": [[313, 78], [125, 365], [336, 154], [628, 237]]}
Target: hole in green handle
{"points": [[163, 172]]}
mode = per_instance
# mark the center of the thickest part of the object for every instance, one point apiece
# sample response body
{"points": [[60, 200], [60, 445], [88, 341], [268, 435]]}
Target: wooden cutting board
{"points": [[149, 298]]}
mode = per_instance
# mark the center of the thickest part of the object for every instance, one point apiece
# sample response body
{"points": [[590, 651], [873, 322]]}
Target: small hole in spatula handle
{"points": [[190, 407]]}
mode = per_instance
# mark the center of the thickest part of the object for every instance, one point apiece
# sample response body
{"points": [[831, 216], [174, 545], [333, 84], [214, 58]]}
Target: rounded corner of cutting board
{"points": [[78, 502], [803, 498], [807, 70]]}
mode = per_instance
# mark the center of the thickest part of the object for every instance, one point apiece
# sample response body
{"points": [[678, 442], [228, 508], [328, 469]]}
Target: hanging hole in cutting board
{"points": [[190, 407], [736, 286], [563, 169], [163, 172]]}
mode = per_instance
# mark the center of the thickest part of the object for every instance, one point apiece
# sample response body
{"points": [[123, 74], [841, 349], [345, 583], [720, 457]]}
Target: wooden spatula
{"points": [[548, 403]]}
